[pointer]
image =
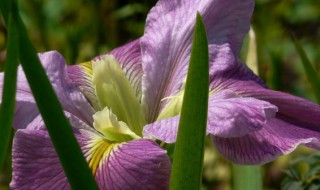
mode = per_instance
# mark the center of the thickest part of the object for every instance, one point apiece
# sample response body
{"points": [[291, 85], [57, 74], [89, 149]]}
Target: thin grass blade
{"points": [[188, 157]]}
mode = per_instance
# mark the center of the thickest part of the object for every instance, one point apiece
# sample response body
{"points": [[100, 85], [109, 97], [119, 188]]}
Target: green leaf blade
{"points": [[61, 134], [188, 157], [9, 91]]}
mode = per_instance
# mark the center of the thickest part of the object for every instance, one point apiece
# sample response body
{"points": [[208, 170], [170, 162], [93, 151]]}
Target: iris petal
{"points": [[166, 43], [136, 164], [275, 139]]}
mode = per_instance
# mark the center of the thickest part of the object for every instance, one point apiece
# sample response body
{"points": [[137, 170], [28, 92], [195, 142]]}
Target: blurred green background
{"points": [[81, 30]]}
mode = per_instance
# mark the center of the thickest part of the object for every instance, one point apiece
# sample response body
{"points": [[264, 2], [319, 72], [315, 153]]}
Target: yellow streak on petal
{"points": [[99, 151], [87, 67]]}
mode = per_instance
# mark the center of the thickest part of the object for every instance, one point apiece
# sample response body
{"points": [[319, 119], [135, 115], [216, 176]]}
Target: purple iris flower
{"points": [[119, 102]]}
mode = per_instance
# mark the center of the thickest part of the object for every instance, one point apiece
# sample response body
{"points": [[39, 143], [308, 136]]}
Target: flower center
{"points": [[122, 117]]}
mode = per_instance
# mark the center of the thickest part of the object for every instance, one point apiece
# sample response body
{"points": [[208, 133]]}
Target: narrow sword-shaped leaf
{"points": [[67, 148], [247, 177], [310, 71], [9, 90], [188, 157]]}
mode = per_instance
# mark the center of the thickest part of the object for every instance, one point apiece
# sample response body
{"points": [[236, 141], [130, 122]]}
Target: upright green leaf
{"points": [[310, 71], [67, 148], [8, 90], [247, 177], [188, 157]]}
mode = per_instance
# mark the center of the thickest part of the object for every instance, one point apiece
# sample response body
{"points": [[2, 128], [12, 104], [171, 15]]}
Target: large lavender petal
{"points": [[275, 139], [166, 43], [135, 164]]}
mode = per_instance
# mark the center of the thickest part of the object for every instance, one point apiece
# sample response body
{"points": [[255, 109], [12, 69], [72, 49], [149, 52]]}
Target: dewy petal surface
{"points": [[166, 43], [275, 139], [138, 163]]}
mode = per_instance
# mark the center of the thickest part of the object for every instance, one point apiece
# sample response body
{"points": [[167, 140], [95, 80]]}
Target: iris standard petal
{"points": [[237, 116], [275, 139], [166, 43]]}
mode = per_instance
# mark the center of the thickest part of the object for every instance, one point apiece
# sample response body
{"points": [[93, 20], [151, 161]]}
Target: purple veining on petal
{"points": [[165, 130], [237, 116], [71, 99], [35, 163], [138, 164], [166, 43], [275, 139]]}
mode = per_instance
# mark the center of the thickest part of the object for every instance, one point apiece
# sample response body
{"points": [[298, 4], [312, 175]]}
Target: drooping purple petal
{"points": [[166, 43], [241, 81], [236, 116], [275, 139], [135, 164], [291, 108], [138, 164], [35, 163]]}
